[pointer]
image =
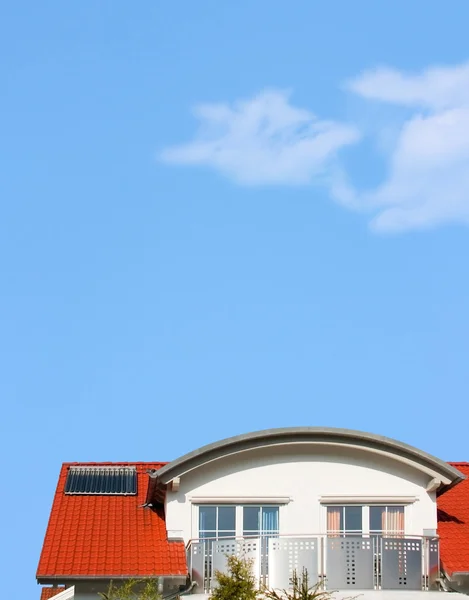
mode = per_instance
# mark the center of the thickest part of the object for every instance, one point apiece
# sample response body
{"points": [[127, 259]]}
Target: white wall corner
{"points": [[175, 535]]}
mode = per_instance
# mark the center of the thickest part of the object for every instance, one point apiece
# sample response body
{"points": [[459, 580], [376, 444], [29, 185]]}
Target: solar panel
{"points": [[101, 481]]}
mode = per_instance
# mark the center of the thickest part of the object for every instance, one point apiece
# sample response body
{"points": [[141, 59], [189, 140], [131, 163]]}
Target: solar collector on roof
{"points": [[101, 480]]}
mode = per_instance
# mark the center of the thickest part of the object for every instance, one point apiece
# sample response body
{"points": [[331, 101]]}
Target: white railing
{"points": [[340, 563]]}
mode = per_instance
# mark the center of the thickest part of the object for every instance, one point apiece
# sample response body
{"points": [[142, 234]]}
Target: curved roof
{"points": [[432, 466]]}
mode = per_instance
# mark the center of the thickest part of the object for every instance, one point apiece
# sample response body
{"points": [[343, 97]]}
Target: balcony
{"points": [[339, 563]]}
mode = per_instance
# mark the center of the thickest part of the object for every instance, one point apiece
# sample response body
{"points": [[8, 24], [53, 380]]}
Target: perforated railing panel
{"points": [[433, 564], [349, 563], [249, 549], [292, 554], [198, 559], [401, 566]]}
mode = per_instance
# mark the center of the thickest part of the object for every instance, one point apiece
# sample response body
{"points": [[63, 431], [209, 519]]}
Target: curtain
{"points": [[393, 520], [333, 520], [269, 519]]}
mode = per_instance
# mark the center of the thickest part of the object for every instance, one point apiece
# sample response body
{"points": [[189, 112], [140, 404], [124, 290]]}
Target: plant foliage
{"points": [[133, 589], [238, 583], [301, 589]]}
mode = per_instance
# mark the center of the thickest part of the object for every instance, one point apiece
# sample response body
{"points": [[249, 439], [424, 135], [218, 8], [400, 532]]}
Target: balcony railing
{"points": [[339, 563]]}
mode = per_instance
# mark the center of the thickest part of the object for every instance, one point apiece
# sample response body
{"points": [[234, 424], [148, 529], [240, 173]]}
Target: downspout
{"points": [[454, 583], [187, 590]]}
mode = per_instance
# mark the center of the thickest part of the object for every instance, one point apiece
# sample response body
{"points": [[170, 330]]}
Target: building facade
{"points": [[358, 511]]}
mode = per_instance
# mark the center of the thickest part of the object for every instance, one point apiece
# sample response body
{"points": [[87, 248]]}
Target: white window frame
{"points": [[366, 532], [216, 506], [261, 506], [386, 506], [365, 523], [239, 529]]}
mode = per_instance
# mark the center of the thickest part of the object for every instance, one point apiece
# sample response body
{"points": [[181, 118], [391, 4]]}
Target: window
{"points": [[217, 521], [344, 520], [387, 520], [365, 520], [260, 520], [230, 521]]}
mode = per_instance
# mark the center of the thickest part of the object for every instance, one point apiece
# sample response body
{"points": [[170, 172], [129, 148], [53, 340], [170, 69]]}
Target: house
{"points": [[357, 510]]}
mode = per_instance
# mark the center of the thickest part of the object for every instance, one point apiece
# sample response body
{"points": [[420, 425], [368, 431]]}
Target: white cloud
{"points": [[263, 140], [267, 140], [436, 87], [428, 176]]}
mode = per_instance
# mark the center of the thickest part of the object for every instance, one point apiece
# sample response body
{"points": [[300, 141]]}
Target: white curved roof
{"points": [[432, 466]]}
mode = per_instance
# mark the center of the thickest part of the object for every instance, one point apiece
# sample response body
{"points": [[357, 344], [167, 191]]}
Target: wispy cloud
{"points": [[436, 87], [263, 140], [428, 175], [268, 140]]}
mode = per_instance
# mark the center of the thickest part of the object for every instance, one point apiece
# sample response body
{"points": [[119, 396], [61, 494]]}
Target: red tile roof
{"points": [[453, 524], [48, 592], [105, 536]]}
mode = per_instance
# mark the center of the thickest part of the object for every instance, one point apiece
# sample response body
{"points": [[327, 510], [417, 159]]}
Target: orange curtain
{"points": [[393, 521], [333, 520]]}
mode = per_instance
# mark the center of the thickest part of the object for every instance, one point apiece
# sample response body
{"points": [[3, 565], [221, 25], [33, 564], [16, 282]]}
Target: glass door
{"points": [[261, 522]]}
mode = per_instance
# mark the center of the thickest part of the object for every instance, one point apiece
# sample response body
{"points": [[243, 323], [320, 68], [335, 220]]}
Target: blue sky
{"points": [[222, 217]]}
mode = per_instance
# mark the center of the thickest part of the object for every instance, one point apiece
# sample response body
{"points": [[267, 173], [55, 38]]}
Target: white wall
{"points": [[303, 472], [89, 589], [87, 596]]}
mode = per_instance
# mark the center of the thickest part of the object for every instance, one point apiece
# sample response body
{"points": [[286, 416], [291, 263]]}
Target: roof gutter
{"points": [[187, 590], [66, 578], [156, 491]]}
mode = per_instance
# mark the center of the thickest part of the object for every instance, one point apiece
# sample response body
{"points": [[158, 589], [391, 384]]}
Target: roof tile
{"points": [[453, 524], [108, 535]]}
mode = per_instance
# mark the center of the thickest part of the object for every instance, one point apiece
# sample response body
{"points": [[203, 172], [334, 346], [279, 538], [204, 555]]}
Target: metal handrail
{"points": [[429, 570], [314, 535]]}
